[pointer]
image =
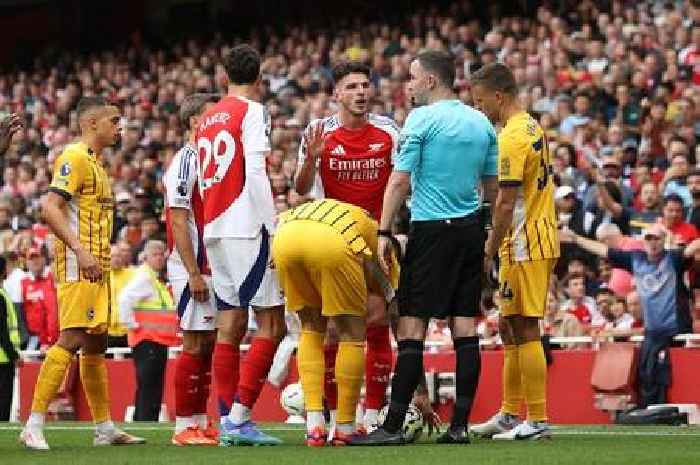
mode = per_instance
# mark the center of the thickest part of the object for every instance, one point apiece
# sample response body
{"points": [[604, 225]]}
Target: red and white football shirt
{"points": [[182, 191], [232, 141], [355, 164]]}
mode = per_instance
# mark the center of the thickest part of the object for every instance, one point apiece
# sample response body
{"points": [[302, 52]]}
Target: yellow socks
{"points": [[93, 374], [349, 373], [533, 366], [311, 369], [512, 381], [51, 375]]}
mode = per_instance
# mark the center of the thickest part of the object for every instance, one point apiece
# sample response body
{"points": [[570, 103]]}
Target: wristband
{"points": [[385, 233]]}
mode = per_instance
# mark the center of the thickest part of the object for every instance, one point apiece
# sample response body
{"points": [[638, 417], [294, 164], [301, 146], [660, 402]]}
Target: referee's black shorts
{"points": [[442, 270]]}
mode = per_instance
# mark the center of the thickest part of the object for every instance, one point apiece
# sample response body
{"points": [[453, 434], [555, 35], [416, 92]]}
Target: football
{"points": [[412, 424], [292, 399]]}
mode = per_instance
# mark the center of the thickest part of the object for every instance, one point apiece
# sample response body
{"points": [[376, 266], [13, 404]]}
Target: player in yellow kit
{"points": [[525, 237], [79, 211], [324, 252]]}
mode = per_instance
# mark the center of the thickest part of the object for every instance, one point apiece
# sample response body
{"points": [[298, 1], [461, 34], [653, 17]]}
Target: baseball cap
{"points": [[33, 252], [563, 191], [655, 230]]}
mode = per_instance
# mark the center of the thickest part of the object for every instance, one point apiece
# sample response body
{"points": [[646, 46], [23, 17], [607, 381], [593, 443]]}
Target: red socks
{"points": [[377, 365], [226, 359], [187, 384], [204, 385], [330, 389], [255, 369]]}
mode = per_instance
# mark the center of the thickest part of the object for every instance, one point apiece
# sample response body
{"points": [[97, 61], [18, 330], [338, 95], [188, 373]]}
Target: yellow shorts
{"points": [[523, 287], [84, 304], [316, 269]]}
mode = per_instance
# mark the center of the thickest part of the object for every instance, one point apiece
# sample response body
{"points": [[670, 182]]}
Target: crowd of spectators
{"points": [[616, 86]]}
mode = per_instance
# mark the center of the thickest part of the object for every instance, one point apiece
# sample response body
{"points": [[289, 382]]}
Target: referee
{"points": [[448, 150]]}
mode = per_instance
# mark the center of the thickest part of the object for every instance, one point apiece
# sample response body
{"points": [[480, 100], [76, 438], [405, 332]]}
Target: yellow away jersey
{"points": [[80, 178], [358, 229], [524, 161]]}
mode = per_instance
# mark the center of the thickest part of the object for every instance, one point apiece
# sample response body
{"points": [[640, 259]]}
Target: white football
{"points": [[412, 424], [292, 399]]}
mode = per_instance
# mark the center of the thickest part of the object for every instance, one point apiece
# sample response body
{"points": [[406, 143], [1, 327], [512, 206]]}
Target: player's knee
{"points": [[233, 331], [463, 327], [411, 328], [530, 330], [271, 324], [191, 343], [377, 314], [350, 328], [69, 341]]}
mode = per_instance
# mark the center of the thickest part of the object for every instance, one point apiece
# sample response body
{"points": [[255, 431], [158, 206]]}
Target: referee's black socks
{"points": [[407, 375], [466, 379]]}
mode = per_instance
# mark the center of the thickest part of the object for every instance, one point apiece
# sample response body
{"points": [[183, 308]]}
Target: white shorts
{"points": [[194, 316], [242, 275]]}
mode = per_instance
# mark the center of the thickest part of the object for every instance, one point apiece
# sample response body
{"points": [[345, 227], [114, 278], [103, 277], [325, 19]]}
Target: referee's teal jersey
{"points": [[449, 148]]}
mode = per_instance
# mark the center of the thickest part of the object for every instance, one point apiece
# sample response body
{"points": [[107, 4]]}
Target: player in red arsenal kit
{"points": [[239, 219], [348, 157], [190, 278]]}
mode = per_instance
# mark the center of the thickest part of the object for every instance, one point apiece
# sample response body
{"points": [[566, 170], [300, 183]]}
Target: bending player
{"points": [[348, 157], [325, 254], [189, 275]]}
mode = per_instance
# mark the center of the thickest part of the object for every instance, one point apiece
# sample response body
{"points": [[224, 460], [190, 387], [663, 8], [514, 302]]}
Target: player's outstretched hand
{"points": [[315, 140], [9, 125], [198, 288], [89, 266], [431, 419]]}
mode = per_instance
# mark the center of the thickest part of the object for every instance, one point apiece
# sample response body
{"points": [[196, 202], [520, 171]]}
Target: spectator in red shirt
{"points": [[579, 304], [40, 304], [673, 219]]}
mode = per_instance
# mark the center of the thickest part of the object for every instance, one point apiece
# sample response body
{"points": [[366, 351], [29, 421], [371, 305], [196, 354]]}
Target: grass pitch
{"points": [[71, 444]]}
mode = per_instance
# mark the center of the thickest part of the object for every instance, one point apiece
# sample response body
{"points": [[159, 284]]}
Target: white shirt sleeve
{"points": [[137, 289], [261, 189], [255, 131], [179, 179]]}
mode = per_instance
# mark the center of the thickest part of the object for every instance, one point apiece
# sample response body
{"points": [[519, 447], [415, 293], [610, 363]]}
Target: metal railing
{"points": [[119, 353]]}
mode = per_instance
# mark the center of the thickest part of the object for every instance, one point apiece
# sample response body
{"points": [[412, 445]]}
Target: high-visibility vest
{"points": [[156, 318], [12, 326], [118, 279]]}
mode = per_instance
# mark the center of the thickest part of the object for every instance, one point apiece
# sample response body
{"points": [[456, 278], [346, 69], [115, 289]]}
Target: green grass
{"points": [[71, 445]]}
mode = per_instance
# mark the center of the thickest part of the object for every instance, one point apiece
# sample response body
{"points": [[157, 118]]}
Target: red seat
{"points": [[615, 368]]}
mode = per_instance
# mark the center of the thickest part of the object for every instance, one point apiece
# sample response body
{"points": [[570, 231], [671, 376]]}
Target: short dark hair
{"points": [[88, 103], [496, 76], [242, 64], [673, 198], [571, 276], [440, 63], [344, 68], [694, 172], [192, 106]]}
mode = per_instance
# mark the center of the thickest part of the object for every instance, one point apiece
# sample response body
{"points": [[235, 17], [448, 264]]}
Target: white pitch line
{"points": [[556, 432], [133, 428]]}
